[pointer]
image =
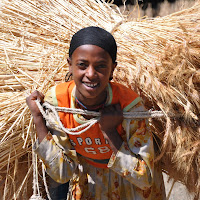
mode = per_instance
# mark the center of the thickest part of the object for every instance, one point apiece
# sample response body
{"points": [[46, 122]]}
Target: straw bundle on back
{"points": [[159, 58]]}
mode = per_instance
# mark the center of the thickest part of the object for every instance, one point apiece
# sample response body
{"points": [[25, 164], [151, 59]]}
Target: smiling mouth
{"points": [[91, 85]]}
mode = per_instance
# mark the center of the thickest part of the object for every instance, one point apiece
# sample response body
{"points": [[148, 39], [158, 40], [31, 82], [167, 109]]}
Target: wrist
{"points": [[38, 119], [114, 139], [108, 131], [41, 128]]}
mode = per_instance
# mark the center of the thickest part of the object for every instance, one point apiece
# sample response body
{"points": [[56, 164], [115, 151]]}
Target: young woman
{"points": [[110, 160]]}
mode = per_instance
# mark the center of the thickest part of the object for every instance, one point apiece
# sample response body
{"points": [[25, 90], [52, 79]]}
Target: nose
{"points": [[91, 72]]}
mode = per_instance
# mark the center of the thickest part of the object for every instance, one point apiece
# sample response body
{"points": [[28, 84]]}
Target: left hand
{"points": [[111, 117]]}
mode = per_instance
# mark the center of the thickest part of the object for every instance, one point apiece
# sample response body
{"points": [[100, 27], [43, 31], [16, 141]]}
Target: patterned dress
{"points": [[87, 161]]}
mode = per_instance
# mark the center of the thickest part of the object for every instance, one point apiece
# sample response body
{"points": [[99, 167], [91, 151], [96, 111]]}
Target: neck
{"points": [[91, 101], [96, 107]]}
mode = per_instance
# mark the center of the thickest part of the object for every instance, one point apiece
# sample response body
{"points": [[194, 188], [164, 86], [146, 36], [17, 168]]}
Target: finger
{"points": [[36, 95], [40, 97], [118, 108], [108, 110], [114, 109]]}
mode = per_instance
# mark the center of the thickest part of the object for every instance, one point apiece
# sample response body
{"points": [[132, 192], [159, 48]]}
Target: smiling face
{"points": [[91, 67]]}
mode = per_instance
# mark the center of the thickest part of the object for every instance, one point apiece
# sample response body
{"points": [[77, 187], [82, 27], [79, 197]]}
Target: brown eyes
{"points": [[84, 66]]}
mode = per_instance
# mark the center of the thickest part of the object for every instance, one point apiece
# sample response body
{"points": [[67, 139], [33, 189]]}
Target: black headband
{"points": [[94, 36]]}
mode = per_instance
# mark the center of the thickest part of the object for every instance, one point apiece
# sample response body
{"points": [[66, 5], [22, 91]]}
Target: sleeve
{"points": [[56, 151], [134, 160]]}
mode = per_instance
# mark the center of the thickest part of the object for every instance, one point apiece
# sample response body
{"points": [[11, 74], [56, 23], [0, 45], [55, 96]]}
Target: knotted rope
{"points": [[50, 114], [36, 192], [84, 127]]}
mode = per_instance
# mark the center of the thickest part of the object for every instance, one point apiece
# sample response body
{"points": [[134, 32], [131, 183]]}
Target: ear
{"points": [[113, 68], [69, 60]]}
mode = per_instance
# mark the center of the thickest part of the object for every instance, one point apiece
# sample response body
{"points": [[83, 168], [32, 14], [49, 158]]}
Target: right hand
{"points": [[30, 100]]}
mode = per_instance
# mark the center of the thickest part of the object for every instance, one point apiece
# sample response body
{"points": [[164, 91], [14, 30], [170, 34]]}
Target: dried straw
{"points": [[159, 58]]}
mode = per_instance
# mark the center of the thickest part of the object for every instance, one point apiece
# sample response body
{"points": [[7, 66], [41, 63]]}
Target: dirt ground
{"points": [[179, 191]]}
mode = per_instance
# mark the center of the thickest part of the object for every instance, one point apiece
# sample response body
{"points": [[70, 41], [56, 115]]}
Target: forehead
{"points": [[88, 50]]}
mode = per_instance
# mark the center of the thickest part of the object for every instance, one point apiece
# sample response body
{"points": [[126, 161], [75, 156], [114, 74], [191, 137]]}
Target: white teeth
{"points": [[91, 84]]}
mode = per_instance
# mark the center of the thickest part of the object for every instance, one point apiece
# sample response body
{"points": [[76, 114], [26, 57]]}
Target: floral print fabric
{"points": [[131, 173]]}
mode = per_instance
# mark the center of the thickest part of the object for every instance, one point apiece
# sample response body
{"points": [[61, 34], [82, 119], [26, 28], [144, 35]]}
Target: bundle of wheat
{"points": [[164, 67], [159, 58]]}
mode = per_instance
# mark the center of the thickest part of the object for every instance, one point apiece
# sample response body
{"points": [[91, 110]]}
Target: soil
{"points": [[179, 191]]}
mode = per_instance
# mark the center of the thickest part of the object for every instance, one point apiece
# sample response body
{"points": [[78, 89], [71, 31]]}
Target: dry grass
{"points": [[159, 58]]}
